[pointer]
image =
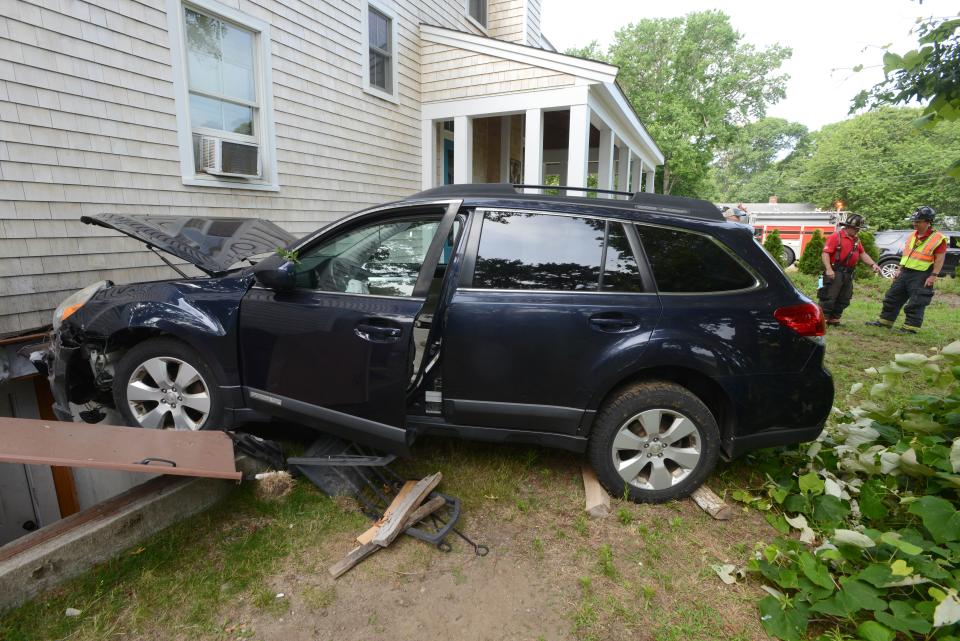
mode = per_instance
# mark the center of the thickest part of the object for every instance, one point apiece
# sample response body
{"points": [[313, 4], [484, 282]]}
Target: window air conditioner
{"points": [[226, 158]]}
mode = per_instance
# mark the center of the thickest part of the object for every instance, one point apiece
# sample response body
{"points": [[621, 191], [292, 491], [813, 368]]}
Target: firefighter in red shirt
{"points": [[923, 256], [841, 253]]}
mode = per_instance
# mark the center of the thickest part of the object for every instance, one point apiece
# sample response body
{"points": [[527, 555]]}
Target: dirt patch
{"points": [[948, 299]]}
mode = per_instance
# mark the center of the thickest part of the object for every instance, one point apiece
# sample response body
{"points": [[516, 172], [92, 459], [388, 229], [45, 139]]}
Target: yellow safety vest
{"points": [[920, 258]]}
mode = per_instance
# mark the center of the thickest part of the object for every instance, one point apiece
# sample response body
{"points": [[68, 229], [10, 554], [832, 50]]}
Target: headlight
{"points": [[75, 301]]}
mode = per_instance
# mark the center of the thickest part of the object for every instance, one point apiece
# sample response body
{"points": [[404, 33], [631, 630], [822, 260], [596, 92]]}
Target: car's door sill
{"points": [[429, 425]]}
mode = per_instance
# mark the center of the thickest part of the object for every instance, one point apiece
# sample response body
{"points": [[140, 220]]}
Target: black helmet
{"points": [[854, 220], [924, 213]]}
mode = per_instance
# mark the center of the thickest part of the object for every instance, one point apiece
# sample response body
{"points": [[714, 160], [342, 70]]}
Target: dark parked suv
{"points": [[890, 244], [647, 332]]}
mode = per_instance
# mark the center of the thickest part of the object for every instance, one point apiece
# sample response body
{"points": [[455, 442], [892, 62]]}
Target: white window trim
{"points": [[476, 23], [266, 139], [387, 9]]}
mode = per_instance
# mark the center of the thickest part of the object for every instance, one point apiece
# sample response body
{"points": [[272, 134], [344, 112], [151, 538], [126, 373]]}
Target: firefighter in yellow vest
{"points": [[923, 256]]}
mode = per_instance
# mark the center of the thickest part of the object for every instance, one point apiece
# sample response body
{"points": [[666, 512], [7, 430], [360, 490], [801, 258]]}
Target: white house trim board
{"points": [[504, 104], [596, 71], [605, 159], [578, 147], [615, 95], [264, 79], [623, 126], [462, 150], [533, 147], [428, 153]]}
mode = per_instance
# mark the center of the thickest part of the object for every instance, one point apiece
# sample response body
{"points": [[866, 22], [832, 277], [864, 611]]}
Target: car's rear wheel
{"points": [[164, 384], [889, 268], [789, 256], [654, 442]]}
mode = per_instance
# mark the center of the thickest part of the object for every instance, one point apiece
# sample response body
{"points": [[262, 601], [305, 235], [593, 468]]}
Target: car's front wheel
{"points": [[164, 384], [889, 268], [655, 441]]}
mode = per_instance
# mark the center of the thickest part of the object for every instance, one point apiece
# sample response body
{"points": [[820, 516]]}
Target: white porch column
{"points": [[462, 150], [605, 158], [623, 168], [578, 146], [651, 178], [428, 153], [505, 122], [637, 170], [533, 148]]}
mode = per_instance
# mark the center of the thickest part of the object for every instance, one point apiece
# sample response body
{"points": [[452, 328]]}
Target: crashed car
{"points": [[646, 332]]}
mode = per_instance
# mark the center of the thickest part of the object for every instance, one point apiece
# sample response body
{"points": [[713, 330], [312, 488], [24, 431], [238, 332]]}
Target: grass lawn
{"points": [[642, 573]]}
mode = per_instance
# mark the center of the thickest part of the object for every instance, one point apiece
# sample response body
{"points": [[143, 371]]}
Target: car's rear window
{"points": [[687, 262]]}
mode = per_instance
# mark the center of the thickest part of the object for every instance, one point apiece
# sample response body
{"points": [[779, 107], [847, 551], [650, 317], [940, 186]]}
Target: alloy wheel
{"points": [[888, 270], [165, 392], [656, 449]]}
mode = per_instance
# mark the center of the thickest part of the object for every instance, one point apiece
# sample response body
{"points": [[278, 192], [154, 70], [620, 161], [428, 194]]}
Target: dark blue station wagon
{"points": [[646, 332]]}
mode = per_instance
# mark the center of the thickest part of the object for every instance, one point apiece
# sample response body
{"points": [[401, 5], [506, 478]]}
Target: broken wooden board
{"points": [[361, 552], [367, 536], [712, 504], [393, 526], [597, 499]]}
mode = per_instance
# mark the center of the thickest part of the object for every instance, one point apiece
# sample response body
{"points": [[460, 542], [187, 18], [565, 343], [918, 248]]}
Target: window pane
{"points": [[219, 57], [534, 251], [379, 30], [620, 273], [686, 262], [205, 112], [378, 71], [382, 259], [478, 11], [238, 119]]}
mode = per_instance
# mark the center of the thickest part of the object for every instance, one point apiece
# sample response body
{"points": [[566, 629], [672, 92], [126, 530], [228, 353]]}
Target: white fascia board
{"points": [[512, 103], [612, 106], [596, 71]]}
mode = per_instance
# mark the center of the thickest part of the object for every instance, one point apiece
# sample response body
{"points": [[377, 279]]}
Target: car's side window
{"points": [[688, 262], [531, 251], [382, 258]]}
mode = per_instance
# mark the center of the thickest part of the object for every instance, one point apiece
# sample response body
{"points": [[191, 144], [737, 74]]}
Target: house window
{"points": [[221, 73], [380, 48], [477, 9]]}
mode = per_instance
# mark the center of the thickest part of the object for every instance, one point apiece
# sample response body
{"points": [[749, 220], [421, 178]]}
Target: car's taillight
{"points": [[805, 319]]}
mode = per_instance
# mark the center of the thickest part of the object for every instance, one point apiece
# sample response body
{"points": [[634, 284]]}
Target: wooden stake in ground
{"points": [[360, 553], [598, 501], [712, 504]]}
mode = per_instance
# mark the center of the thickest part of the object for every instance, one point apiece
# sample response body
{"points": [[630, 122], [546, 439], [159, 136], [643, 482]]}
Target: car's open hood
{"points": [[212, 244]]}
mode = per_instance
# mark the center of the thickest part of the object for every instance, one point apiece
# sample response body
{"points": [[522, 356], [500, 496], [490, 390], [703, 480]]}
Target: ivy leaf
{"points": [[904, 619], [787, 623], [839, 605], [863, 595], [811, 483], [778, 522], [873, 631], [891, 62], [894, 539], [900, 568], [939, 517], [871, 499], [829, 510], [948, 612], [877, 574], [851, 537], [815, 571]]}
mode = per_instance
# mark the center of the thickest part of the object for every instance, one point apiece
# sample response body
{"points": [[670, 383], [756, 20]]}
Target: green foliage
{"points": [[810, 262], [870, 247], [774, 247], [748, 170], [876, 502], [925, 74], [288, 255], [693, 81]]}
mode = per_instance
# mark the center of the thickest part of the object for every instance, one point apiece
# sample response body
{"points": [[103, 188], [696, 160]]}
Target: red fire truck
{"points": [[796, 223]]}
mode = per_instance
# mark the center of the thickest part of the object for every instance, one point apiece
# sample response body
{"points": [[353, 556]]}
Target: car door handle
{"points": [[614, 323], [377, 333]]}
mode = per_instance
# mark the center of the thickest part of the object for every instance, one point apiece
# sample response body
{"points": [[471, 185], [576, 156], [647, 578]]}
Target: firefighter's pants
{"points": [[908, 292]]}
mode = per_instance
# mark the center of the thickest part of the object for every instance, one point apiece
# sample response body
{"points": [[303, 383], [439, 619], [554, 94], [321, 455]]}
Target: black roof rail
{"points": [[649, 201]]}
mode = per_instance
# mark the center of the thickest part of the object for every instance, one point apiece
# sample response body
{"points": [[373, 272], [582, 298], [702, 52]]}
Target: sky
{"points": [[828, 39]]}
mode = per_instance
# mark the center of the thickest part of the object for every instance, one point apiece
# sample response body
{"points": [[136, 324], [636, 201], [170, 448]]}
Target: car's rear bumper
{"points": [[773, 437]]}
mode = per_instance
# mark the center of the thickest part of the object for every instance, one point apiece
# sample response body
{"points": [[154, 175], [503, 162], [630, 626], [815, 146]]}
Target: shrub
{"points": [[774, 246], [810, 262], [870, 247]]}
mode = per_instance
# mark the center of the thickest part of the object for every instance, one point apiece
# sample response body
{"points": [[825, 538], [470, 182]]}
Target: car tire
{"points": [[629, 447], [888, 268], [164, 384], [789, 256]]}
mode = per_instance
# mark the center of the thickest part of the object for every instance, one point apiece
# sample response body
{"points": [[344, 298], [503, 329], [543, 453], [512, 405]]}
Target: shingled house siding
{"points": [[88, 125]]}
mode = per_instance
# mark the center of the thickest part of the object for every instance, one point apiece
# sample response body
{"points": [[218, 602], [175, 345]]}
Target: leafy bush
{"points": [[774, 246], [810, 262], [870, 247], [875, 501]]}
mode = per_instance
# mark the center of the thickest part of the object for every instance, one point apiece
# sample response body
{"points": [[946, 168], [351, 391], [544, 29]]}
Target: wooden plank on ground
{"points": [[361, 552], [712, 504], [393, 526], [597, 499], [367, 536]]}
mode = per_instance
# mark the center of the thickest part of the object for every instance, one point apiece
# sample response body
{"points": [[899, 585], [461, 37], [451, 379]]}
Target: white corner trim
{"points": [[504, 104], [181, 92], [596, 71], [386, 8], [525, 7]]}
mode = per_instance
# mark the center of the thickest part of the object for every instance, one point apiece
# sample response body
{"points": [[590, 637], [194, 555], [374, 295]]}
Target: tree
{"points": [[870, 247], [810, 262], [774, 247], [751, 169], [880, 166], [926, 74], [692, 81]]}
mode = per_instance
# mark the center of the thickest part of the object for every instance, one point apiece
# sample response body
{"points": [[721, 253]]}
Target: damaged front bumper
{"points": [[53, 362]]}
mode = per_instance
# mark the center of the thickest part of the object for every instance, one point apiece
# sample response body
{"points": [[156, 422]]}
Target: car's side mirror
{"points": [[275, 273]]}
